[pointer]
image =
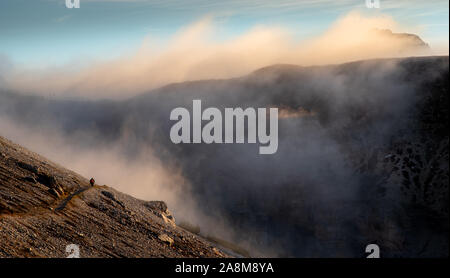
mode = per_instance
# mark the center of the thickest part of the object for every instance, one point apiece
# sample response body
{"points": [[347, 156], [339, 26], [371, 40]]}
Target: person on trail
{"points": [[92, 182]]}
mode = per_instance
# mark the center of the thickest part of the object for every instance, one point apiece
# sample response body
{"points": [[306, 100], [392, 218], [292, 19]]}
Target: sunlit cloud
{"points": [[194, 54]]}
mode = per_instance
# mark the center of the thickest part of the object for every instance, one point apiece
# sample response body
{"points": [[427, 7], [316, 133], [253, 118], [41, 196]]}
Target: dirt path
{"points": [[64, 202]]}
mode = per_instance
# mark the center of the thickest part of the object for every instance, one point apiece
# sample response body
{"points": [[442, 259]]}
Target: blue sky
{"points": [[45, 32]]}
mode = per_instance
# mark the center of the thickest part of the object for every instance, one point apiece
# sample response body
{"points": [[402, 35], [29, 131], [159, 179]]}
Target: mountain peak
{"points": [[411, 41]]}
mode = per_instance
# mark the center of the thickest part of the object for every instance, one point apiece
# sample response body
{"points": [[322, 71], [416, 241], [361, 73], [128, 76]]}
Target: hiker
{"points": [[92, 181]]}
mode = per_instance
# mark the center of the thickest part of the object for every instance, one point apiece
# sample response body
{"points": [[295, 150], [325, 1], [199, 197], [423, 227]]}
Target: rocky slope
{"points": [[44, 208]]}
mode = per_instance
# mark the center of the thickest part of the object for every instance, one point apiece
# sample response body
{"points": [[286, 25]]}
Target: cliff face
{"points": [[44, 208]]}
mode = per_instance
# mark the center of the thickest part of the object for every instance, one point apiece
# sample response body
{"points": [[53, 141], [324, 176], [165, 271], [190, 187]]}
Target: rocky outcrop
{"points": [[160, 209]]}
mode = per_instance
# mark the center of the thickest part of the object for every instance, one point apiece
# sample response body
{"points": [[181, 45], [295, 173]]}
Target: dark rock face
{"points": [[45, 208], [366, 160]]}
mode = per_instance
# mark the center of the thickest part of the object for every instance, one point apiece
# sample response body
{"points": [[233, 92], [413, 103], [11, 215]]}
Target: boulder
{"points": [[166, 239], [160, 209]]}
